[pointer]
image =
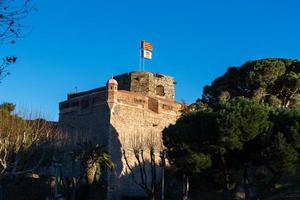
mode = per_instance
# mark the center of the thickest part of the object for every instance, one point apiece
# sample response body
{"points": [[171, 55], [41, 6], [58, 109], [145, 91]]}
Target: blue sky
{"points": [[82, 43]]}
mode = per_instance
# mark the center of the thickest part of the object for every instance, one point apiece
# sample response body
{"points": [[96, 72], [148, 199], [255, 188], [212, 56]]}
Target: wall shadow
{"points": [[125, 184]]}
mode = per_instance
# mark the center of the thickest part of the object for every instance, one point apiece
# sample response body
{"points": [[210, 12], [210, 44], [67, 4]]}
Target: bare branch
{"points": [[12, 12]]}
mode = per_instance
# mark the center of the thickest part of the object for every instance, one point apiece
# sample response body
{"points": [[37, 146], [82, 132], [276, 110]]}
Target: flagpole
{"points": [[140, 60], [143, 61], [146, 52], [141, 57]]}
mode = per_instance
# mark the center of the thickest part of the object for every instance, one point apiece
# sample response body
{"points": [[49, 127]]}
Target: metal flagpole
{"points": [[143, 61], [141, 57], [140, 60]]}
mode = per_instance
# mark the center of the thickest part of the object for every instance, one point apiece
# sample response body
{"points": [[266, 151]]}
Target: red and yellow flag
{"points": [[146, 45]]}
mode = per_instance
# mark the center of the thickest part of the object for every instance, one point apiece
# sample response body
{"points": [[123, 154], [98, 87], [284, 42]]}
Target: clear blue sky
{"points": [[82, 43]]}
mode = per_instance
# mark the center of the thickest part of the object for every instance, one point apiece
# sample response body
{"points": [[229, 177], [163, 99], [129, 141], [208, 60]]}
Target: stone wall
{"points": [[134, 126], [158, 81], [148, 84], [86, 116]]}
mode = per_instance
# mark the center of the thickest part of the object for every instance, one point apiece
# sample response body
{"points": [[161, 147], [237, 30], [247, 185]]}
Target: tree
{"points": [[274, 81], [12, 12], [26, 145], [209, 139], [246, 121], [233, 138], [3, 66], [281, 147], [92, 157]]}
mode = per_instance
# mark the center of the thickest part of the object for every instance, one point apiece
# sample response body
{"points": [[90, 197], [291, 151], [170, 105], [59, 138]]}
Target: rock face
{"points": [[129, 113]]}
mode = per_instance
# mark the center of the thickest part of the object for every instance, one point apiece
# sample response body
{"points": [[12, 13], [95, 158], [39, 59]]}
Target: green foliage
{"points": [[92, 156], [281, 154], [243, 123], [185, 140], [287, 122], [283, 142], [92, 153], [198, 105], [241, 120], [7, 107], [201, 135], [218, 142], [268, 80]]}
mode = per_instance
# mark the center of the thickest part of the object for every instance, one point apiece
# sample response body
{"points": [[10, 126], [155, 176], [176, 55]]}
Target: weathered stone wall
{"points": [[87, 116], [132, 125], [153, 104], [147, 83], [167, 82]]}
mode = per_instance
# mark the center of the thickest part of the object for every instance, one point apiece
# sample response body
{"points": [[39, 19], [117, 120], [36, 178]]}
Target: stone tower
{"points": [[135, 104], [148, 84], [112, 89]]}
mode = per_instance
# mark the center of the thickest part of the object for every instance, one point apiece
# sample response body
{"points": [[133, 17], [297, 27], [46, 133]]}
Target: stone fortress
{"points": [[140, 103]]}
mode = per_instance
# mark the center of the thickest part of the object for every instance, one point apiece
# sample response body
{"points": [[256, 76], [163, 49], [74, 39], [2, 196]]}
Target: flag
{"points": [[146, 45], [146, 54]]}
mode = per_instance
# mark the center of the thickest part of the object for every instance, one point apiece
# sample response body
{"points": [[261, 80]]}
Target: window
{"points": [[160, 90]]}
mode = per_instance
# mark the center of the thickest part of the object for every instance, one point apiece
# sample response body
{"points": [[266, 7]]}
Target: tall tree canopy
{"points": [[25, 144], [245, 129], [223, 141], [274, 81]]}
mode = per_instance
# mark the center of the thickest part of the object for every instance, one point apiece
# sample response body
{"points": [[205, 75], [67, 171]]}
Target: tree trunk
{"points": [[185, 189], [246, 183], [2, 192], [270, 184], [226, 178], [90, 173], [153, 174]]}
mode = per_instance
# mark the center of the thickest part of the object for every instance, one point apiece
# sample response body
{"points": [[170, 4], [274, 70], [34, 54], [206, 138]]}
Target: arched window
{"points": [[160, 90]]}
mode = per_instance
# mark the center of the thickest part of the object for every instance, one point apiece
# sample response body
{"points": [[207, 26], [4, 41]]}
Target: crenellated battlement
{"points": [[144, 90], [148, 84], [151, 103], [88, 101]]}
